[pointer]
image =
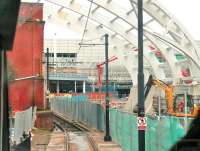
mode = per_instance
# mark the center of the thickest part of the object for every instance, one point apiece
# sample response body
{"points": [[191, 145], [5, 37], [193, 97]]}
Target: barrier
{"points": [[161, 133], [79, 110], [95, 96], [23, 123]]}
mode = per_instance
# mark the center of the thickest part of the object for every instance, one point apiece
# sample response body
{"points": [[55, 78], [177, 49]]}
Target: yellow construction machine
{"points": [[179, 105]]}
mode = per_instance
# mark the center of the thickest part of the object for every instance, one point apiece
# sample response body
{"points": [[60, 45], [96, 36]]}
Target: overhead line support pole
{"points": [[141, 112], [107, 137]]}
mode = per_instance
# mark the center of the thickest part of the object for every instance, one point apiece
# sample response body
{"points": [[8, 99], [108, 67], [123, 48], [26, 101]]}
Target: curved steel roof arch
{"points": [[129, 62], [171, 60], [129, 19], [159, 72], [112, 24], [116, 31], [174, 28], [182, 41]]}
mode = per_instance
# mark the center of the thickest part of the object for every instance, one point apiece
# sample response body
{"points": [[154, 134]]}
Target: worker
{"points": [[181, 105]]}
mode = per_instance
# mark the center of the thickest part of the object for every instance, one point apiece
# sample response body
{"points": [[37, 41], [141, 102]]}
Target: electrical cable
{"points": [[86, 23], [92, 39]]}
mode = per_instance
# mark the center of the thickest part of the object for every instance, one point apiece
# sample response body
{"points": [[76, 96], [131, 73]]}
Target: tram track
{"points": [[66, 136], [67, 120], [74, 132]]}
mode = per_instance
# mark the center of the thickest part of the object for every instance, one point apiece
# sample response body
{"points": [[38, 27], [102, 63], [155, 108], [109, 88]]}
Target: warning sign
{"points": [[142, 123]]}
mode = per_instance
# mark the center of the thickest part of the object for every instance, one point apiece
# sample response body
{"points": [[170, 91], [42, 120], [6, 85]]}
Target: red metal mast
{"points": [[100, 70]]}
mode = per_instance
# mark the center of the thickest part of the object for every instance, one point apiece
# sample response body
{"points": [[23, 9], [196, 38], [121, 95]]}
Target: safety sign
{"points": [[142, 123]]}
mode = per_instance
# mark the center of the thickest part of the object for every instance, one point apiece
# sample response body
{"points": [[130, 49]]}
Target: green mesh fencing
{"points": [[80, 110], [161, 133]]}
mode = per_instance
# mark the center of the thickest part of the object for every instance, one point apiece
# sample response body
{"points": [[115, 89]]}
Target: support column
{"points": [[185, 108], [4, 105], [57, 86], [93, 88], [75, 90], [141, 109], [48, 90], [47, 69], [83, 86], [107, 136]]}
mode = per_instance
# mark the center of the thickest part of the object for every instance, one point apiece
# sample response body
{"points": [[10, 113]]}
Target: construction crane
{"points": [[100, 70], [170, 100]]}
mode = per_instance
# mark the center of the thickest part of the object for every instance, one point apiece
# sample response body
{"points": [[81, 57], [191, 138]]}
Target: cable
{"points": [[86, 23], [92, 39]]}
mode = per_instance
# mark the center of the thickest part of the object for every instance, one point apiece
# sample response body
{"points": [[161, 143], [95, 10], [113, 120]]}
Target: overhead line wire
{"points": [[86, 23]]}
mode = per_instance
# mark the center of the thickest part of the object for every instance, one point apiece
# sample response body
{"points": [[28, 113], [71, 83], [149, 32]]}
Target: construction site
{"points": [[99, 75]]}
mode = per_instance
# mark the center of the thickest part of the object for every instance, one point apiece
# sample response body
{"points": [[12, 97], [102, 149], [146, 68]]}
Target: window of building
{"points": [[59, 54], [66, 55], [50, 54]]}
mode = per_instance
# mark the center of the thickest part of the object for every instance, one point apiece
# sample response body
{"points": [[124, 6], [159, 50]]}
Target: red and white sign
{"points": [[142, 123]]}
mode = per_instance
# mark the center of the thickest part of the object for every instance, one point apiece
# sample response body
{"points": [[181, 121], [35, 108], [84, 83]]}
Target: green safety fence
{"points": [[161, 133], [79, 110]]}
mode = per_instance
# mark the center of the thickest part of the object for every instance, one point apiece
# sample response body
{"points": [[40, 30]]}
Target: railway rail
{"points": [[74, 132]]}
